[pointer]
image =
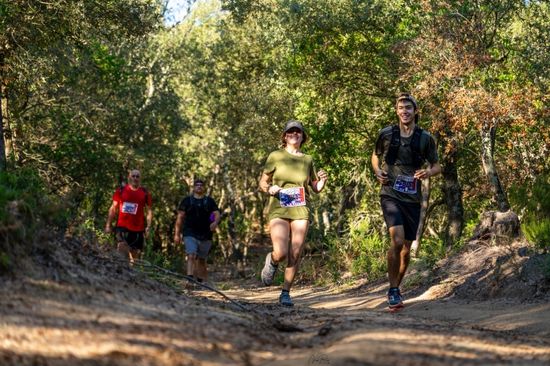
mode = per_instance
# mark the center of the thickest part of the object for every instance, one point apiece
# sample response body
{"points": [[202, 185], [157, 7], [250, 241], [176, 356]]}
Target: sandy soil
{"points": [[77, 306]]}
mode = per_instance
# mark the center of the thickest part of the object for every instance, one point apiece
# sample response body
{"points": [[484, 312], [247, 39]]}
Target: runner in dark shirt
{"points": [[399, 162], [199, 215]]}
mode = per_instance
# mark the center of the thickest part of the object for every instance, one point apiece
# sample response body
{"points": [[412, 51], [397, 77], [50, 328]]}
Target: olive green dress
{"points": [[287, 171]]}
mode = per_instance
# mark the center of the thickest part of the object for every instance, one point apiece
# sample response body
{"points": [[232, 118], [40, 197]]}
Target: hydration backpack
{"points": [[395, 143]]}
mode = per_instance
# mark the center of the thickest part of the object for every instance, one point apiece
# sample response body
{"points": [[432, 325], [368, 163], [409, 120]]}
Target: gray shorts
{"points": [[196, 246]]}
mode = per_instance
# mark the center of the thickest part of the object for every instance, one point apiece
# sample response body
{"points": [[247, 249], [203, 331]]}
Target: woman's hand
{"points": [[323, 175], [273, 190], [320, 184]]}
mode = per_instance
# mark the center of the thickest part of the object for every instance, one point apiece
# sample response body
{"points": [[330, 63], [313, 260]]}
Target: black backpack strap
{"points": [[196, 206], [395, 142], [418, 157], [146, 194], [120, 190]]}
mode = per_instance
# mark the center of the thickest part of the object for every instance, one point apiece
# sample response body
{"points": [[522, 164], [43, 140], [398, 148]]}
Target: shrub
{"points": [[531, 201], [537, 231], [25, 209], [370, 256]]}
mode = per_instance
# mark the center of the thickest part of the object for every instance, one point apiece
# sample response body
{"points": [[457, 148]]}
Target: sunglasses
{"points": [[135, 176]]}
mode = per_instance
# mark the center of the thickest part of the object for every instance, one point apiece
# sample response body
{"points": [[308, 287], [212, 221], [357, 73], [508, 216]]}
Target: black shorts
{"points": [[134, 239], [398, 213]]}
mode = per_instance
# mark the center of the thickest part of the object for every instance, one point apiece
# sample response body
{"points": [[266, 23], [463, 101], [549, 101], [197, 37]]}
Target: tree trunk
{"points": [[453, 198], [423, 216], [452, 191], [260, 202], [348, 201], [2, 141], [325, 214], [488, 134], [232, 250]]}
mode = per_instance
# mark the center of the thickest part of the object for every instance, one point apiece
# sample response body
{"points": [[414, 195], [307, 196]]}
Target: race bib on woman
{"points": [[129, 208], [292, 197], [405, 184]]}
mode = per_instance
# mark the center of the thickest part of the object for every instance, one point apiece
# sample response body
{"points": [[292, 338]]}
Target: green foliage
{"points": [[96, 87], [369, 255], [25, 201], [87, 228], [432, 249], [362, 252], [25, 209], [531, 200], [5, 262], [532, 197], [537, 231], [174, 261], [332, 262], [24, 184]]}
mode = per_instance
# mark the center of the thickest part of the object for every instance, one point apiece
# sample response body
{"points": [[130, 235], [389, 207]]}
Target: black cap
{"points": [[407, 96], [293, 124]]}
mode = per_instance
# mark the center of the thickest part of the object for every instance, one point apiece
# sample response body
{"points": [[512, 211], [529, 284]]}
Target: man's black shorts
{"points": [[398, 213], [134, 239]]}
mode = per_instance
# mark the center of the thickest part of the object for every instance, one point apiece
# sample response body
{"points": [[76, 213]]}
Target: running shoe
{"points": [[268, 272], [285, 299], [395, 300]]}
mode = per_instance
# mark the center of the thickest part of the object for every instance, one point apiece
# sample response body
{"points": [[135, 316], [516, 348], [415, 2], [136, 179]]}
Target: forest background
{"points": [[91, 88]]}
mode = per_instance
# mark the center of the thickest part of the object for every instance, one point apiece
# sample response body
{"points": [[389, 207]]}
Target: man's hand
{"points": [[177, 239], [382, 176], [422, 173], [108, 228], [147, 231], [433, 170], [213, 226]]}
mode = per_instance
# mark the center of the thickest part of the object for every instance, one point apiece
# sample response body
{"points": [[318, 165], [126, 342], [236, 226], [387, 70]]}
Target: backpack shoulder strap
{"points": [[395, 142], [211, 203], [146, 194], [418, 157]]}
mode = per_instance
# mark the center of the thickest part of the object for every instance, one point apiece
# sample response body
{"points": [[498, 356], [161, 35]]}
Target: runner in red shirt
{"points": [[129, 202]]}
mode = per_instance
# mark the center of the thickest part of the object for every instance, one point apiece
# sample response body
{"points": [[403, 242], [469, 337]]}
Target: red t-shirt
{"points": [[130, 207]]}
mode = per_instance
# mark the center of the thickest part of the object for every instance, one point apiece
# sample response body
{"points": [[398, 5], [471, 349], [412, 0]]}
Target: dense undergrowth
{"points": [[534, 207], [361, 252], [29, 215]]}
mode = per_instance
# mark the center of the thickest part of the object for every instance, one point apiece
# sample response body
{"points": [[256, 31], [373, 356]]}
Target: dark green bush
{"points": [[25, 209], [532, 203]]}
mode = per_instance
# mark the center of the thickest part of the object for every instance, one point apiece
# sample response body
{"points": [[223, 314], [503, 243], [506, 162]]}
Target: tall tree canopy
{"points": [[92, 88]]}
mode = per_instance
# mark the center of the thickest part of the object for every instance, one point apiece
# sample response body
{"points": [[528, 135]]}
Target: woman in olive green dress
{"points": [[287, 176]]}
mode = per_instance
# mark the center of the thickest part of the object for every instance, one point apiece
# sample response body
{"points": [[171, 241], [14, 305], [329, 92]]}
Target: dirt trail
{"points": [[77, 308], [354, 328]]}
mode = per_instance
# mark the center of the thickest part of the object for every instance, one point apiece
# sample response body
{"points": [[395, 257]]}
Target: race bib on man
{"points": [[129, 208], [405, 184], [292, 197]]}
